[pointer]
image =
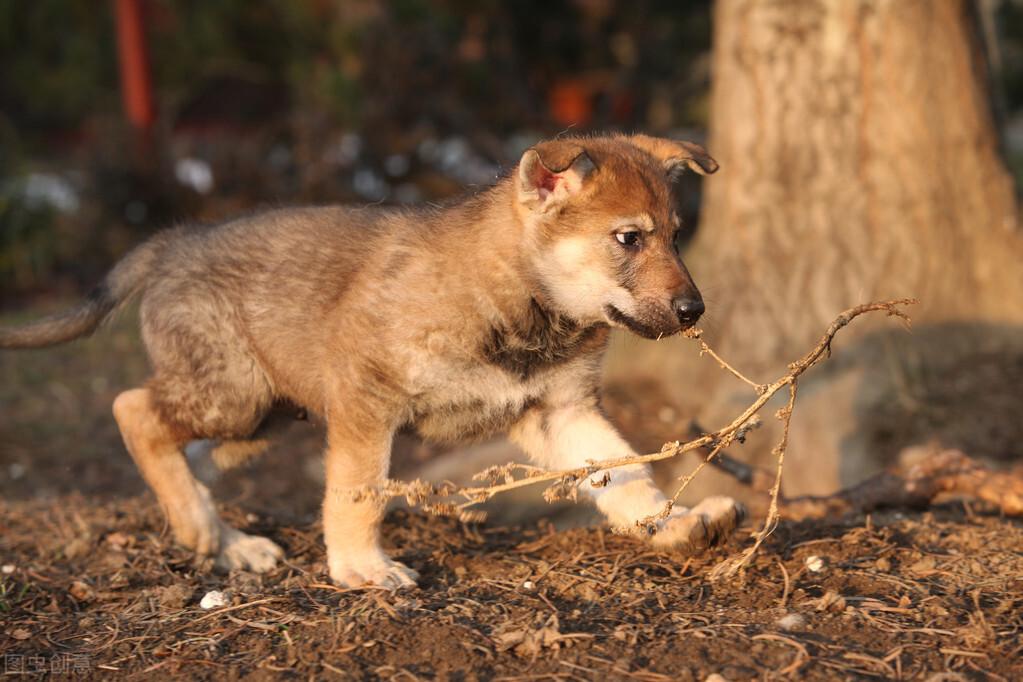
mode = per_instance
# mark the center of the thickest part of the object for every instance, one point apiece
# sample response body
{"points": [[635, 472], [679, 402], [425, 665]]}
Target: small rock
{"points": [[815, 564], [714, 677], [20, 634], [213, 599], [529, 586], [7, 569], [791, 621]]}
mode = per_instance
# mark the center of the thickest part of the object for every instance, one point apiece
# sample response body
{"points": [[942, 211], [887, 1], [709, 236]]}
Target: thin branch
{"points": [[771, 521], [932, 473], [696, 333], [437, 499]]}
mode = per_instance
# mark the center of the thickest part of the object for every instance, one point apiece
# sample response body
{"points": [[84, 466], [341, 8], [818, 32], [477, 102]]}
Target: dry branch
{"points": [[913, 485], [452, 500]]}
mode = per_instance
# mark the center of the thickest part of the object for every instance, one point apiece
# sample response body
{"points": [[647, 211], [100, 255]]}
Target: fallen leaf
{"points": [[173, 596], [118, 540], [81, 591], [922, 568], [831, 601], [76, 548]]}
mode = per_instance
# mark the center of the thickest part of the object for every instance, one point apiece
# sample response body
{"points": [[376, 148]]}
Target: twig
{"points": [[771, 522], [438, 499], [696, 333], [914, 485], [788, 583]]}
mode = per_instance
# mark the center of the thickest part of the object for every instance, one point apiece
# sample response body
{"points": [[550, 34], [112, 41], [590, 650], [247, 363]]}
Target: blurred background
{"points": [[264, 103], [869, 148]]}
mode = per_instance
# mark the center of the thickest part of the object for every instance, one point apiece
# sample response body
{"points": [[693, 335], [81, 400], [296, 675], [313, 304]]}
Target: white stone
{"points": [[791, 621], [213, 599]]}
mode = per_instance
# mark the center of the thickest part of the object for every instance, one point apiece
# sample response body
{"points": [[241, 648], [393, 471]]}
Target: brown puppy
{"points": [[488, 315]]}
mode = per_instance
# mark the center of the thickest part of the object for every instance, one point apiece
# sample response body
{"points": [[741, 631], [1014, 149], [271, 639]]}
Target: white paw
{"points": [[247, 552], [372, 568], [706, 524]]}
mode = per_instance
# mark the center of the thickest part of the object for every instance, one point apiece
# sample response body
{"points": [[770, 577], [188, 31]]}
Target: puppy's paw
{"points": [[195, 524], [682, 530], [248, 552], [197, 529], [705, 525], [372, 569]]}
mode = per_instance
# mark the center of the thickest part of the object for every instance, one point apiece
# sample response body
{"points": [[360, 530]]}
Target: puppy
{"points": [[489, 315]]}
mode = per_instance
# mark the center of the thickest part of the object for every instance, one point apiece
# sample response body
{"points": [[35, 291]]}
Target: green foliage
{"points": [[192, 38], [58, 61], [28, 242]]}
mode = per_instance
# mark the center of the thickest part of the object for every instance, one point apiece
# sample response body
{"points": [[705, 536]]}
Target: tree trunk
{"points": [[859, 161]]}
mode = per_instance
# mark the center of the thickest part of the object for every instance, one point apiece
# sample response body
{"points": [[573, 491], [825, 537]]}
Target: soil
{"points": [[92, 586], [99, 585]]}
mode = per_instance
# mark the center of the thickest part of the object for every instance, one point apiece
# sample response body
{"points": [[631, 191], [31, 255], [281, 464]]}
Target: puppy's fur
{"points": [[485, 316]]}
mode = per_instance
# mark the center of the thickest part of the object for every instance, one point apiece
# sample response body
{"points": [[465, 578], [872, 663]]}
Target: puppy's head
{"points": [[601, 230]]}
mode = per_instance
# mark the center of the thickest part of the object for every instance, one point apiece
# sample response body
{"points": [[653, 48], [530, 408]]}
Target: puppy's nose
{"points": [[688, 308]]}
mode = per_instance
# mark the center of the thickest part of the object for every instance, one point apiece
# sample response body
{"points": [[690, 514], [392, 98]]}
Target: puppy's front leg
{"points": [[358, 456], [566, 436]]}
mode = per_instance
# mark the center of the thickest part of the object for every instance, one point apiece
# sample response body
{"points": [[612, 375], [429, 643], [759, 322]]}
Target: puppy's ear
{"points": [[551, 172], [676, 155]]}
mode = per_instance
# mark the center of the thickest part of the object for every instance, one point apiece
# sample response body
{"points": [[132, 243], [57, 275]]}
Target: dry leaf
{"points": [[76, 548], [831, 601], [118, 540], [81, 591]]}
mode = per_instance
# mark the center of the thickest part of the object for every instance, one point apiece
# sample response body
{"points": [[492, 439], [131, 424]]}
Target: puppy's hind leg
{"points": [[208, 459], [156, 448]]}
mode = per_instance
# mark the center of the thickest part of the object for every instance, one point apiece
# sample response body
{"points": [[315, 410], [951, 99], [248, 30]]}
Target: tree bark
{"points": [[859, 161]]}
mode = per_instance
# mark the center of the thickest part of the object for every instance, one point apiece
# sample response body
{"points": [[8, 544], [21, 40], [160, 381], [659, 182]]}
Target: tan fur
{"points": [[489, 315]]}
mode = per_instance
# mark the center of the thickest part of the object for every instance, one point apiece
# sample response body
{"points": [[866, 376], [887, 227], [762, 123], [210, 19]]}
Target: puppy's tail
{"points": [[126, 279]]}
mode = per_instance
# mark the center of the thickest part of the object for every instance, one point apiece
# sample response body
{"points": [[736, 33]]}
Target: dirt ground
{"points": [[92, 586], [99, 586]]}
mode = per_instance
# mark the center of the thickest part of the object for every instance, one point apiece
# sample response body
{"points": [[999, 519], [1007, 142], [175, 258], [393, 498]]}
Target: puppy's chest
{"points": [[472, 401], [538, 342], [476, 394]]}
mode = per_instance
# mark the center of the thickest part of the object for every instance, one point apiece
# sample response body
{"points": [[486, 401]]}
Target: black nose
{"points": [[688, 308]]}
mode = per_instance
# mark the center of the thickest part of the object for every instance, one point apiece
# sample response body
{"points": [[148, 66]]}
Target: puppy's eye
{"points": [[628, 238]]}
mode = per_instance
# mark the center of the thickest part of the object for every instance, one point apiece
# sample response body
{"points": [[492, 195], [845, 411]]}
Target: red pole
{"points": [[136, 89]]}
